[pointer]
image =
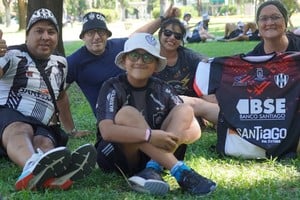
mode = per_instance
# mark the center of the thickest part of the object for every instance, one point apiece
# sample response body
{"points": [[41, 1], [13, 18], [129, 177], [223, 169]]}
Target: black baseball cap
{"points": [[94, 20]]}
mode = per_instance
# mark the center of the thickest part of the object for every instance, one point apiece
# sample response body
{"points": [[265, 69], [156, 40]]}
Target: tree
{"points": [[292, 6], [163, 6], [6, 4], [76, 8], [22, 8], [56, 6]]}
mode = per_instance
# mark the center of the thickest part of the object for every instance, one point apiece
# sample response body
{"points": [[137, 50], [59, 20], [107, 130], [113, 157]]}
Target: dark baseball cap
{"points": [[94, 20]]}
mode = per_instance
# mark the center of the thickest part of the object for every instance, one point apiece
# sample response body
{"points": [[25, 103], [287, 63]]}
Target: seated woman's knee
{"points": [[184, 110]]}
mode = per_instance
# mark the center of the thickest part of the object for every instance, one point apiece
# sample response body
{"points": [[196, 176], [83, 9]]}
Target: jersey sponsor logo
{"points": [[268, 136], [260, 75], [240, 81], [111, 99], [258, 109], [41, 95], [250, 79], [281, 80]]}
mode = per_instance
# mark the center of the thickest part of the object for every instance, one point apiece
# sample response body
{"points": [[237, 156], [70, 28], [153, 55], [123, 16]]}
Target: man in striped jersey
{"points": [[27, 108]]}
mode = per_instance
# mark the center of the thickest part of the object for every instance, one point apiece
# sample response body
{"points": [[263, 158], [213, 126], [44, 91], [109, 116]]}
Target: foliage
{"points": [[189, 9], [107, 4], [156, 13], [291, 6], [227, 10], [76, 8]]}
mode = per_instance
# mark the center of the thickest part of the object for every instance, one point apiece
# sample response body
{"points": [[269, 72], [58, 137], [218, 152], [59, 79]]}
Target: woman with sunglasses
{"points": [[181, 61], [142, 122]]}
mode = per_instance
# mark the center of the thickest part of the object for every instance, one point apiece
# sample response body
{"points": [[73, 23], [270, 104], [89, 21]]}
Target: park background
{"points": [[236, 178]]}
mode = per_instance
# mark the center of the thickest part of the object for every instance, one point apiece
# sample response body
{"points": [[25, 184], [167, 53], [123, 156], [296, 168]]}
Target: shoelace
{"points": [[32, 160]]}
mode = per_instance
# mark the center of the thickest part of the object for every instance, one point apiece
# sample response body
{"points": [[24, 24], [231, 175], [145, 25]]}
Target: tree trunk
{"points": [[22, 14], [199, 7], [163, 6], [56, 6], [6, 4]]}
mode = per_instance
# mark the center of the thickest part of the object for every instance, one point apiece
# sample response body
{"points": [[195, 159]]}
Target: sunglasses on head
{"points": [[168, 33]]}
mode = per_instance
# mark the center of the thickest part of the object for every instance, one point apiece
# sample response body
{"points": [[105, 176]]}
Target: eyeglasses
{"points": [[168, 33], [100, 32], [273, 18], [146, 57]]}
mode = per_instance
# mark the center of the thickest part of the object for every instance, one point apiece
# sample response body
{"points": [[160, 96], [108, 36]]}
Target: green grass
{"points": [[237, 179]]}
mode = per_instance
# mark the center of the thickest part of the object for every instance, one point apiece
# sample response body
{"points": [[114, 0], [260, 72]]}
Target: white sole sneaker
{"points": [[82, 164], [151, 186], [51, 163]]}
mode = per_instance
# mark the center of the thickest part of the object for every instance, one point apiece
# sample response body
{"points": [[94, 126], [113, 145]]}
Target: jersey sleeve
{"points": [[107, 102], [201, 81]]}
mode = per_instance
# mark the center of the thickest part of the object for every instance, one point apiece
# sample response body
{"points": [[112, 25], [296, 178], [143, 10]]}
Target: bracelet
{"points": [[148, 135]]}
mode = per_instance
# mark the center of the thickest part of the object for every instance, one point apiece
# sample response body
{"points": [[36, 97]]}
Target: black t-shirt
{"points": [[294, 45], [154, 101], [181, 76]]}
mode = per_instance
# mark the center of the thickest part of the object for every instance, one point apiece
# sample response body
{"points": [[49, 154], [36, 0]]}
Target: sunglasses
{"points": [[146, 57], [168, 33]]}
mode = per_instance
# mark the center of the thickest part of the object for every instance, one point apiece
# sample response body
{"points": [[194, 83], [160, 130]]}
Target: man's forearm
{"points": [[65, 115]]}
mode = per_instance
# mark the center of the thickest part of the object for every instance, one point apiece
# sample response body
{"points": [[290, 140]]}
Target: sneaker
{"points": [[41, 166], [196, 184], [149, 181], [82, 163]]}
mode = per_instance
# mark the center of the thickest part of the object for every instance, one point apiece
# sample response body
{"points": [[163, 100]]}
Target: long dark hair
{"points": [[174, 22]]}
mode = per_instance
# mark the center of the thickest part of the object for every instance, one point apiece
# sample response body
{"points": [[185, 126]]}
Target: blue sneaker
{"points": [[42, 166], [82, 164], [149, 181], [196, 184]]}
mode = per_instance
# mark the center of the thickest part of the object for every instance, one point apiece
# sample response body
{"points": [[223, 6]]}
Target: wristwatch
{"points": [[162, 18], [73, 131]]}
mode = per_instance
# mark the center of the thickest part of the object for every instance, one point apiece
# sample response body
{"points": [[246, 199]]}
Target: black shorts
{"points": [[234, 33], [12, 115], [195, 37], [254, 37], [110, 158]]}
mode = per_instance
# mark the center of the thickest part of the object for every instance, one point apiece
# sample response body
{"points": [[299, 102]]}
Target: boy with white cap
{"points": [[142, 122]]}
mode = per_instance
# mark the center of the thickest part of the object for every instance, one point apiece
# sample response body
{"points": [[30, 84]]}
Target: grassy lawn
{"points": [[236, 179]]}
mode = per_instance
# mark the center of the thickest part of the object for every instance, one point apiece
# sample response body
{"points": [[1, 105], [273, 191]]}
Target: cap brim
{"points": [[109, 33]]}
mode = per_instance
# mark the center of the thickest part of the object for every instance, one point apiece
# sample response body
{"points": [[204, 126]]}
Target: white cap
{"points": [[205, 17], [143, 41], [240, 24]]}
